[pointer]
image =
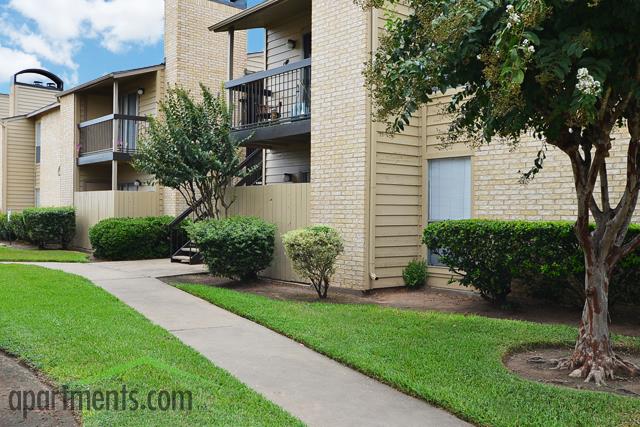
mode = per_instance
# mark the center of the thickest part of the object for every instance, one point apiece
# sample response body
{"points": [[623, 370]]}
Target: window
{"points": [[449, 192], [38, 141]]}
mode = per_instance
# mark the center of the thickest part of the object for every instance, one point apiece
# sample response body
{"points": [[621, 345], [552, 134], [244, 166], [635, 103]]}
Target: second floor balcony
{"points": [[279, 97], [111, 137]]}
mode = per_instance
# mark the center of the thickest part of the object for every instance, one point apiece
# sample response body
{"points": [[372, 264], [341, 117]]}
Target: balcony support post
{"points": [[114, 175], [114, 163], [230, 47]]}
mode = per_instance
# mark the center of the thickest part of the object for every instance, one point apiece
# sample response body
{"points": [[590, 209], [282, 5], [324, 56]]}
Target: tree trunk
{"points": [[593, 357]]}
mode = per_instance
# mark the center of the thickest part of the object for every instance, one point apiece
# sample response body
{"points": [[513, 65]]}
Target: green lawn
{"points": [[451, 360], [77, 334], [33, 255]]}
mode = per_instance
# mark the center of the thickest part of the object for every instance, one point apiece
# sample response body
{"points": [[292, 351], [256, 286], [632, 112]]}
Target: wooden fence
{"points": [[94, 206], [285, 205]]}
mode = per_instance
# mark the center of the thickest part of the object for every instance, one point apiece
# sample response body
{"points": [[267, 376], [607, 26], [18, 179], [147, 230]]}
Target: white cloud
{"points": [[14, 61], [116, 23], [54, 30]]}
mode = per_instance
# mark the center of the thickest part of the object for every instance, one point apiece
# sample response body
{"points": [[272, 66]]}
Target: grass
{"points": [[33, 255], [77, 334], [451, 360]]}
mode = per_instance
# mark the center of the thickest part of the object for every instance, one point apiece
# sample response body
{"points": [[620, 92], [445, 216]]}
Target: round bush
{"points": [[119, 239], [50, 225], [313, 252], [415, 274], [237, 247]]}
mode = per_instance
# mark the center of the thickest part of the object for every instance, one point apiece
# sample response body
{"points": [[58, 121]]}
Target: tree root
{"points": [[597, 370]]}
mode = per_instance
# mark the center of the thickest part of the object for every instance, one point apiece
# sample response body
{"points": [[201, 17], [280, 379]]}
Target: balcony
{"points": [[272, 104], [97, 141]]}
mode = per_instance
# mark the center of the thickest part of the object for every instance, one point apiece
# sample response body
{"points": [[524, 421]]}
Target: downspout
{"points": [[3, 169], [371, 217]]}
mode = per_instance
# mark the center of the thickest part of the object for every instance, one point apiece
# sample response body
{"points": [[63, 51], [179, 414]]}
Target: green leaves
{"points": [[520, 62], [237, 247], [189, 147]]}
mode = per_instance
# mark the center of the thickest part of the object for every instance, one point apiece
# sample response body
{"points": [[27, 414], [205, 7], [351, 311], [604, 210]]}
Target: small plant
{"points": [[119, 239], [313, 252], [415, 274], [237, 247]]}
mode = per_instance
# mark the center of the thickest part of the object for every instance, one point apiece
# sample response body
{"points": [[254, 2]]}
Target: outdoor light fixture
{"points": [[141, 91], [291, 44]]}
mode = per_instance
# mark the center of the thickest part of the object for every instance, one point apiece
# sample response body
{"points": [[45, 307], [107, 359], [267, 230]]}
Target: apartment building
{"points": [[309, 115], [303, 107]]}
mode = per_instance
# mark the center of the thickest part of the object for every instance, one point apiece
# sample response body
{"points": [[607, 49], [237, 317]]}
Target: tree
{"points": [[565, 71], [189, 148]]}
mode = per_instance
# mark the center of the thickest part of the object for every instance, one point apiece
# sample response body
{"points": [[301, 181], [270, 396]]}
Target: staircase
{"points": [[183, 250]]}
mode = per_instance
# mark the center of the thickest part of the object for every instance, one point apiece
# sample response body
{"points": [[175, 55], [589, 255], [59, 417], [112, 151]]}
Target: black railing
{"points": [[182, 248], [97, 135], [271, 97], [252, 166]]}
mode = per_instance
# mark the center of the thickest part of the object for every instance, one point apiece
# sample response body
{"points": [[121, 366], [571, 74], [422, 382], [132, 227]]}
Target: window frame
{"points": [[469, 158]]}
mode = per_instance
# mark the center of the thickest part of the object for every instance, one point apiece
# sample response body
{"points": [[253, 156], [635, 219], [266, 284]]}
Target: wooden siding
{"points": [[26, 99], [4, 105], [147, 102], [94, 206], [293, 158], [20, 164], [398, 191], [286, 206], [278, 35]]}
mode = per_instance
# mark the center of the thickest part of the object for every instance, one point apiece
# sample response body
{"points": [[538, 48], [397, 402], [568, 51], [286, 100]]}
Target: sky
{"points": [[80, 40]]}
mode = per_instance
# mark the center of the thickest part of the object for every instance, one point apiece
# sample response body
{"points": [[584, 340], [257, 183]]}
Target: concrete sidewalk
{"points": [[312, 387]]}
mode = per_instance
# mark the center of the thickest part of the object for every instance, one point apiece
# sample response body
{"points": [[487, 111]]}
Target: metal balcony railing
{"points": [[271, 97], [97, 135]]}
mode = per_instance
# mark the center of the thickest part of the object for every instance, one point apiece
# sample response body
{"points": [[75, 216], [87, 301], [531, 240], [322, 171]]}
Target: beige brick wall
{"points": [[51, 183], [339, 132], [196, 55], [66, 150], [550, 196]]}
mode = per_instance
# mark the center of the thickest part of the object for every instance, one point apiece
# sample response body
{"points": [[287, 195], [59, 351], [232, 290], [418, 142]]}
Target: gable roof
{"points": [[114, 75]]}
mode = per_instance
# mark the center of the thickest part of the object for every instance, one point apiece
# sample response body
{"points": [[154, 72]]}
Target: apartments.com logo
{"points": [[27, 401]]}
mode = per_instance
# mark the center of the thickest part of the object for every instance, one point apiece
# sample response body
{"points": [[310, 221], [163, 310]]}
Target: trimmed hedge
{"points": [[544, 258], [119, 239], [237, 247], [5, 231], [45, 226], [18, 228]]}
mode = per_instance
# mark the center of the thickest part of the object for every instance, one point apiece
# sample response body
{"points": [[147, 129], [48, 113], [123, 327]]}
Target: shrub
{"points": [[50, 225], [120, 239], [544, 258], [5, 231], [313, 252], [237, 247], [17, 227], [476, 250], [415, 274]]}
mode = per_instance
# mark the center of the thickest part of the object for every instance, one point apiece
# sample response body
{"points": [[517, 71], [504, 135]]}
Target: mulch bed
{"points": [[432, 299], [14, 376], [537, 365]]}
